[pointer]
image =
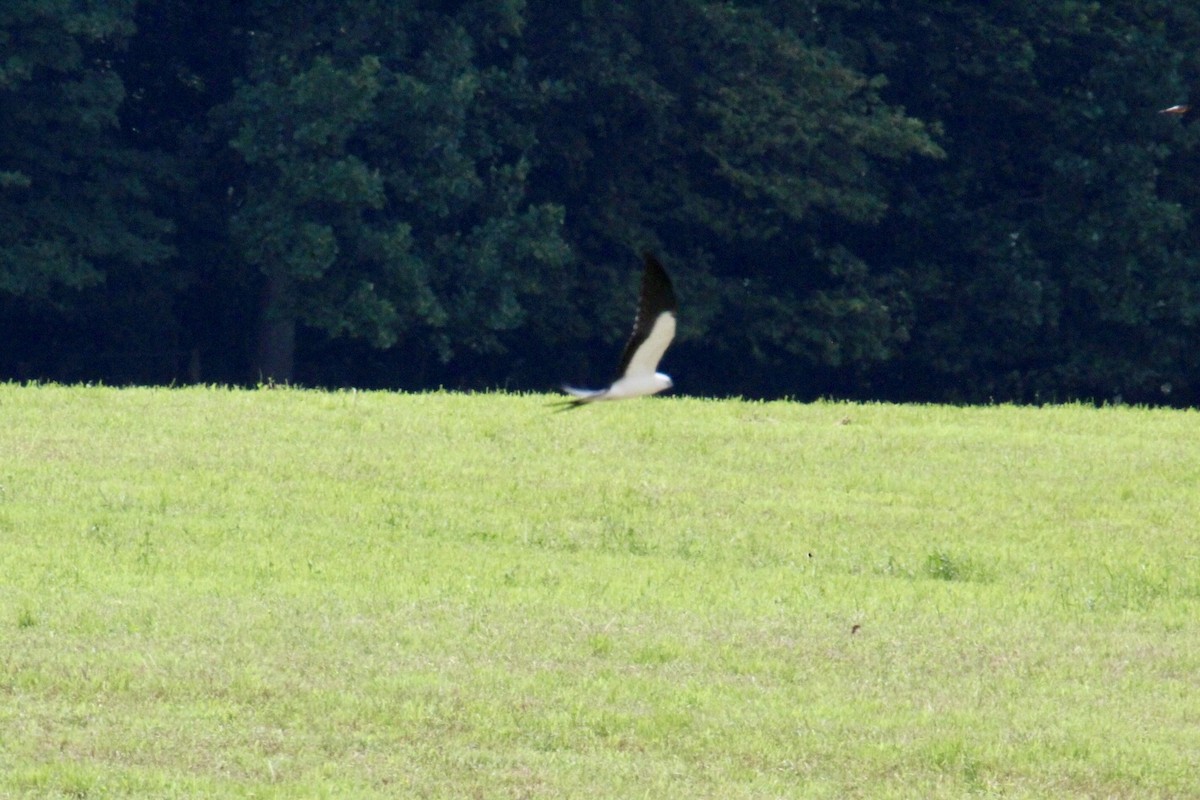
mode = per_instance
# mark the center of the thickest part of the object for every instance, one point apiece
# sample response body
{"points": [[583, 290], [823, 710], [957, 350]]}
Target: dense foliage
{"points": [[919, 200]]}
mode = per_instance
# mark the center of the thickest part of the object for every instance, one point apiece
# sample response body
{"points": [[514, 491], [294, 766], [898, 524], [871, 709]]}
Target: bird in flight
{"points": [[1186, 110], [653, 330]]}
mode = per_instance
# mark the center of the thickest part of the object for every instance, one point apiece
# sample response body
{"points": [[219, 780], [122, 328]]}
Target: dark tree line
{"points": [[923, 200]]}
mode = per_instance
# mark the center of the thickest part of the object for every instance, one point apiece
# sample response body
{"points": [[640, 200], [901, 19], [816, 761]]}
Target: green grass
{"points": [[211, 593]]}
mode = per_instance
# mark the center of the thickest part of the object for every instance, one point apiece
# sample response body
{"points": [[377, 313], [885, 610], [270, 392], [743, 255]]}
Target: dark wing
{"points": [[654, 326]]}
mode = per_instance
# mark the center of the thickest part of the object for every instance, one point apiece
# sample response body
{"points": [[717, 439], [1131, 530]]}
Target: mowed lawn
{"points": [[215, 593]]}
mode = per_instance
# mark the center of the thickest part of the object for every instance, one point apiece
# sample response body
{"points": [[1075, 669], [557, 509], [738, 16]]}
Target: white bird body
{"points": [[653, 330], [624, 388]]}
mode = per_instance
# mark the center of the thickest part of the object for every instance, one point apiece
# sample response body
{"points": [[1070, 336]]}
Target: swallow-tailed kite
{"points": [[653, 330], [1187, 110]]}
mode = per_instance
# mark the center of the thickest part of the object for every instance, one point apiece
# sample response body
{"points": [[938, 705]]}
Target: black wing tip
{"points": [[656, 280], [651, 263]]}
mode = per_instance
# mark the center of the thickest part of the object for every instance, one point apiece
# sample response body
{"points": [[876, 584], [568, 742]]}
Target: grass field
{"points": [[213, 593]]}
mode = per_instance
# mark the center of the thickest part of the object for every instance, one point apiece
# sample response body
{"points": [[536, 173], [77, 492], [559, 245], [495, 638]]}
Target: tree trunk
{"points": [[275, 357]]}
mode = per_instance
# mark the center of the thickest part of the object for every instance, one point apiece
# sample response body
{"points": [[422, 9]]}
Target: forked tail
{"points": [[579, 397]]}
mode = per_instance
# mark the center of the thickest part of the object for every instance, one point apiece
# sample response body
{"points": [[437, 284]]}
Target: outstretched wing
{"points": [[654, 327]]}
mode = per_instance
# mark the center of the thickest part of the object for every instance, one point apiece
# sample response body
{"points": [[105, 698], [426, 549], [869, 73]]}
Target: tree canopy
{"points": [[857, 198]]}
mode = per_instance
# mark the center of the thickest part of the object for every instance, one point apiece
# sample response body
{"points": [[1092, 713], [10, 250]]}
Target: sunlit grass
{"points": [[284, 593]]}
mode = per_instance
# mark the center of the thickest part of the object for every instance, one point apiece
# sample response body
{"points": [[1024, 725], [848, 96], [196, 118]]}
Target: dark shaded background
{"points": [[962, 202]]}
